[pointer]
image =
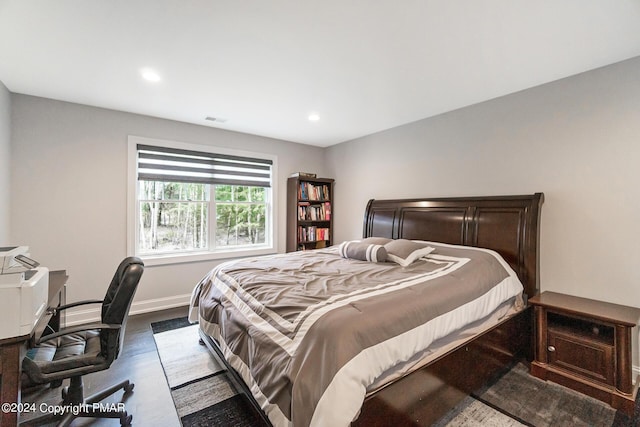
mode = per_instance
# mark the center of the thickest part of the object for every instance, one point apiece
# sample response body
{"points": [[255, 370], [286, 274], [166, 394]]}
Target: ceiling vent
{"points": [[215, 119]]}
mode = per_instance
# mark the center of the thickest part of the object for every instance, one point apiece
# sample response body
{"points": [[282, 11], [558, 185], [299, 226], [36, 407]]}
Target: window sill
{"points": [[167, 259]]}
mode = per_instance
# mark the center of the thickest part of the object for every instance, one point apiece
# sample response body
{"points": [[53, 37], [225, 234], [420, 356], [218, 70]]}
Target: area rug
{"points": [[205, 396], [202, 393]]}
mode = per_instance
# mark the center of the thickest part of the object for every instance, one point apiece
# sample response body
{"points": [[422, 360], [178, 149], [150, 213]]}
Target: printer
{"points": [[24, 291]]}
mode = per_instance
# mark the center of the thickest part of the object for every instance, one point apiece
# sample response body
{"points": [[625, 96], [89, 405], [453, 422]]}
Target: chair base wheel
{"points": [[72, 395], [125, 420]]}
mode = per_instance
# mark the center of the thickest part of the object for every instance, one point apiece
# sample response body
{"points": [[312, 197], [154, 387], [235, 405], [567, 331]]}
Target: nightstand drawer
{"points": [[588, 358]]}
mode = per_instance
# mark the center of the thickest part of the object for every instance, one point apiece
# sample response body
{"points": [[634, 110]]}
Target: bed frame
{"points": [[506, 224]]}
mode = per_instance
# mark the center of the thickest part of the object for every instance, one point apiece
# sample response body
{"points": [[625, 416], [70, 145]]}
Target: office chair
{"points": [[79, 350]]}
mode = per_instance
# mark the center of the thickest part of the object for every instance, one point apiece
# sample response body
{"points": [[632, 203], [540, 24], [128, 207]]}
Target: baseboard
{"points": [[78, 317]]}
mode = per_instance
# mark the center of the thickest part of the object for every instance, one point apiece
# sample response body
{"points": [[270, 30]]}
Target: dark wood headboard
{"points": [[510, 225]]}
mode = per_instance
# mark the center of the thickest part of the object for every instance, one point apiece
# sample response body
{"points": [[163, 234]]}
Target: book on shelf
{"points": [[312, 234], [309, 191], [315, 212]]}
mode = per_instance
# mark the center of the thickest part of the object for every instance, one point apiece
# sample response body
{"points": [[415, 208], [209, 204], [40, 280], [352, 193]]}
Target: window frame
{"points": [[133, 205]]}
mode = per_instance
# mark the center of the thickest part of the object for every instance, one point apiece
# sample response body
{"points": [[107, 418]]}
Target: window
{"points": [[173, 217], [203, 203]]}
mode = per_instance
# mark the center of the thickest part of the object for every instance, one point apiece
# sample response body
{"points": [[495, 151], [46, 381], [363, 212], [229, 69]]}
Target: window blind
{"points": [[176, 165]]}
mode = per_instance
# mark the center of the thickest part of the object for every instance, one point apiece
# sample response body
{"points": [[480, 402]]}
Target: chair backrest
{"points": [[117, 302]]}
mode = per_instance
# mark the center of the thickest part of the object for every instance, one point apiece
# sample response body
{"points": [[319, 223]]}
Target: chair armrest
{"points": [[76, 329], [56, 310]]}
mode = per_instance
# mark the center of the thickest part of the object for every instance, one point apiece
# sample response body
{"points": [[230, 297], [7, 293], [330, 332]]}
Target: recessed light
{"points": [[150, 75], [313, 117]]}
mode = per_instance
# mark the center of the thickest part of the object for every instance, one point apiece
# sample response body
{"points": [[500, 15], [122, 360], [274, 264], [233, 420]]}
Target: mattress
{"points": [[311, 332]]}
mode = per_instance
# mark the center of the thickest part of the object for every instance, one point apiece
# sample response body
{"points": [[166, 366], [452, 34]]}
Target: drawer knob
{"points": [[551, 348]]}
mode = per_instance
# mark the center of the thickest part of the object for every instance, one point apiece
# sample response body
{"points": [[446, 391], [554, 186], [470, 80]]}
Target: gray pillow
{"points": [[376, 240], [405, 252], [362, 251]]}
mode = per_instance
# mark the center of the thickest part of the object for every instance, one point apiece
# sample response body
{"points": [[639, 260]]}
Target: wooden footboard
{"points": [[424, 396]]}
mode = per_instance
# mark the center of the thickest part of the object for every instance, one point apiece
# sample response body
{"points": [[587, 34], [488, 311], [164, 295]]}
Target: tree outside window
{"points": [[175, 216]]}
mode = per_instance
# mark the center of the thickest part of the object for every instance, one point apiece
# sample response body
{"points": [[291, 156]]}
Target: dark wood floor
{"points": [[150, 403]]}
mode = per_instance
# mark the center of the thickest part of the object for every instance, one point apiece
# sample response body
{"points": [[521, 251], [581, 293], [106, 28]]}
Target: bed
{"points": [[302, 361]]}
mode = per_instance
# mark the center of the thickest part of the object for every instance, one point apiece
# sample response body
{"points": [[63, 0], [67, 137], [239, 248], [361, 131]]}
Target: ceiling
{"points": [[265, 66]]}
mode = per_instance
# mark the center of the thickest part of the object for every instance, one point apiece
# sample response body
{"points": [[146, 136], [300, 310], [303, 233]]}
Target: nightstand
{"points": [[585, 345]]}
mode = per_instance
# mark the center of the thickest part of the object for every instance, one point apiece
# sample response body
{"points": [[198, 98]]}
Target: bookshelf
{"points": [[309, 213]]}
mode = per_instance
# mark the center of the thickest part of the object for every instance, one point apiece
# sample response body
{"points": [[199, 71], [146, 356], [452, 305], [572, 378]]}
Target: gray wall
{"points": [[69, 201], [5, 170], [577, 140]]}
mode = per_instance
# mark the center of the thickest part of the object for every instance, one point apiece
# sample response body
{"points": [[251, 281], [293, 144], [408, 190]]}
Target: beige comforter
{"points": [[310, 331]]}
